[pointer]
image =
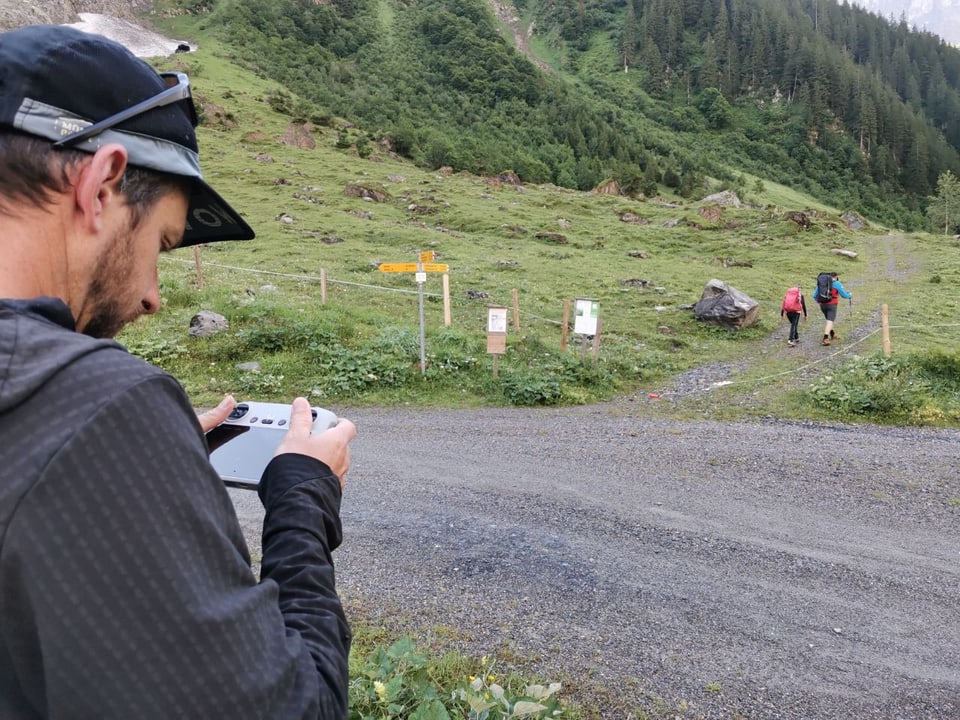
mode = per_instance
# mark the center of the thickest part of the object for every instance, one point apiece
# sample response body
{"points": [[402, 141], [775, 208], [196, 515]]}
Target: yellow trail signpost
{"points": [[420, 268], [414, 267]]}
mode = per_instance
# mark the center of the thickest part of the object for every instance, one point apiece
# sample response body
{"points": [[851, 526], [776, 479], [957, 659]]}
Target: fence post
{"points": [[885, 322], [516, 311], [196, 261], [446, 300], [563, 325], [323, 286]]}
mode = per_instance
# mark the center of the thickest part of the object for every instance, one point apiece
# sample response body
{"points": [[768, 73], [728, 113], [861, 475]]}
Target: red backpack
{"points": [[791, 301]]}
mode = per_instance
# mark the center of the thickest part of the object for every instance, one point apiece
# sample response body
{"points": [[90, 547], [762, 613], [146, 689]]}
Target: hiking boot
{"points": [[825, 341], [791, 343], [833, 335]]}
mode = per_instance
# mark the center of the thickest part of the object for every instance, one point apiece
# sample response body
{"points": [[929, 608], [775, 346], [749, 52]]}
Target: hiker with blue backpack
{"points": [[793, 304], [828, 293]]}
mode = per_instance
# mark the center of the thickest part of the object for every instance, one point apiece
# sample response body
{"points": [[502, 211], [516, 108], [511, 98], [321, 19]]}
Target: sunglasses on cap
{"points": [[178, 91]]}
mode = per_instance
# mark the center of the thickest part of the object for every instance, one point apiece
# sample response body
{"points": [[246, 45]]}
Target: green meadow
{"points": [[299, 176]]}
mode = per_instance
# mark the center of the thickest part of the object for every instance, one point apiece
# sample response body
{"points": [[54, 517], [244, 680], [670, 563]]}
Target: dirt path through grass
{"points": [[889, 259]]}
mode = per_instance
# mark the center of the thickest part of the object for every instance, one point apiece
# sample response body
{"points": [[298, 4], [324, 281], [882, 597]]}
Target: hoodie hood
{"points": [[37, 340]]}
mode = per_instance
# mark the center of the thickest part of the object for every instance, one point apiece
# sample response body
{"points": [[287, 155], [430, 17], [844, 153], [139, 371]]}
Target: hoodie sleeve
{"points": [[128, 572]]}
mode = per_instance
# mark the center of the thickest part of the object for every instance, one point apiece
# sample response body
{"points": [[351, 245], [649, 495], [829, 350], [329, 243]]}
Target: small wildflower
{"points": [[380, 689], [490, 678], [472, 678]]}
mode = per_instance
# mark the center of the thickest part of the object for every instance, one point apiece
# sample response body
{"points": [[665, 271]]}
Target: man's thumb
{"points": [[301, 420]]}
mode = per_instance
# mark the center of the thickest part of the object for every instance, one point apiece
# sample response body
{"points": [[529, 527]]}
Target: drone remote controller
{"points": [[243, 444]]}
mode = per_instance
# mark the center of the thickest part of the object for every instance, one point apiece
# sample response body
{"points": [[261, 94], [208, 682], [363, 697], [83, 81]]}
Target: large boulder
{"points": [[206, 323], [724, 305], [727, 198]]}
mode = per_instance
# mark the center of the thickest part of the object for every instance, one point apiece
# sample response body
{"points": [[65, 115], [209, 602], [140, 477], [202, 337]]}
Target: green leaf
{"points": [[430, 710], [523, 708]]}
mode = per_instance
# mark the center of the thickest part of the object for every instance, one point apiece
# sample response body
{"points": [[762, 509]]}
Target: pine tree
{"points": [[943, 209]]}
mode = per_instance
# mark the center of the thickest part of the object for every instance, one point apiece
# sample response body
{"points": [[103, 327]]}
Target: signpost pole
{"points": [[425, 263], [421, 278]]}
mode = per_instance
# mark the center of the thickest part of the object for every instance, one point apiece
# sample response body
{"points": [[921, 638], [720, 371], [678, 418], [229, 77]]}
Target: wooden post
{"points": [[496, 362], [596, 339], [563, 325], [446, 300], [885, 322], [516, 311], [323, 286], [196, 260]]}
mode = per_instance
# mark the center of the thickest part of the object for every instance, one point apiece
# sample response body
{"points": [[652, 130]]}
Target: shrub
{"points": [[879, 387], [346, 372], [527, 388], [397, 682], [158, 351]]}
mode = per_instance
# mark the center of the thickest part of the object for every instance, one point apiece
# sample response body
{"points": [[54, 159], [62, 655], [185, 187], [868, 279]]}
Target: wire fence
{"points": [[303, 277]]}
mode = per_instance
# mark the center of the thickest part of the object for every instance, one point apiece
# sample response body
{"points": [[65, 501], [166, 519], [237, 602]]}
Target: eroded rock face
{"points": [[16, 13]]}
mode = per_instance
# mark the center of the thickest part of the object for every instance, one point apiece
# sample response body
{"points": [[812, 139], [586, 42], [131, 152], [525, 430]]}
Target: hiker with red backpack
{"points": [[828, 293], [792, 305]]}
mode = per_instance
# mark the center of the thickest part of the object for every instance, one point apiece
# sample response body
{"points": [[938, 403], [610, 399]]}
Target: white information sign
{"points": [[497, 319], [585, 315]]}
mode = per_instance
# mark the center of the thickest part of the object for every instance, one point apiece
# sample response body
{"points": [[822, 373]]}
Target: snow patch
{"points": [[140, 41]]}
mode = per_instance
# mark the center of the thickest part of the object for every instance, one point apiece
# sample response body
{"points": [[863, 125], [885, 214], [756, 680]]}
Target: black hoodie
{"points": [[125, 582]]}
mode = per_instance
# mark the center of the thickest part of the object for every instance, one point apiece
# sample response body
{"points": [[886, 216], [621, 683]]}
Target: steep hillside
{"points": [[662, 97], [667, 97]]}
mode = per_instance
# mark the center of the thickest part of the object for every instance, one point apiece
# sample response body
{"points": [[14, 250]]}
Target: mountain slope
{"points": [[674, 97], [852, 110]]}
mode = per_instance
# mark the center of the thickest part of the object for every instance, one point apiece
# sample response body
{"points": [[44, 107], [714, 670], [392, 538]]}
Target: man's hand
{"points": [[211, 418], [330, 446]]}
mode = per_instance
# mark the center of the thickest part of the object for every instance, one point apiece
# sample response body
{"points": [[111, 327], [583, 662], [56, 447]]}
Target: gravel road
{"points": [[689, 569]]}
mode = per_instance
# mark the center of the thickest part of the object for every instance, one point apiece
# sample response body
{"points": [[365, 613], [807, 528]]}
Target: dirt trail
{"points": [[889, 257]]}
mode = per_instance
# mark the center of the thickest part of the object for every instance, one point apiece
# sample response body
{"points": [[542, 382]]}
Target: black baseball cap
{"points": [[82, 91]]}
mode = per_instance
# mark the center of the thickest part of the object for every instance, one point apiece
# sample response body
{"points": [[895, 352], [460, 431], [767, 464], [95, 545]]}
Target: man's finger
{"points": [[345, 428], [211, 418]]}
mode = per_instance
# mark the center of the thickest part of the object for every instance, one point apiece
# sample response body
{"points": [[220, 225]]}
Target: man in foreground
{"points": [[125, 583]]}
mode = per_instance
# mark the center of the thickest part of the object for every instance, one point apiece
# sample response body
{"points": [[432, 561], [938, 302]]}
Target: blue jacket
{"points": [[838, 292]]}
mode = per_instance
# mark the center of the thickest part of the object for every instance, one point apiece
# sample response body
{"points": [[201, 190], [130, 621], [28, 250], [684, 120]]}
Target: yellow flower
{"points": [[472, 678], [380, 689], [490, 678]]}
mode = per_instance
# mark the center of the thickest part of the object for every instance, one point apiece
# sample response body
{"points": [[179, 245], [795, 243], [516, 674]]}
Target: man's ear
{"points": [[97, 185]]}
